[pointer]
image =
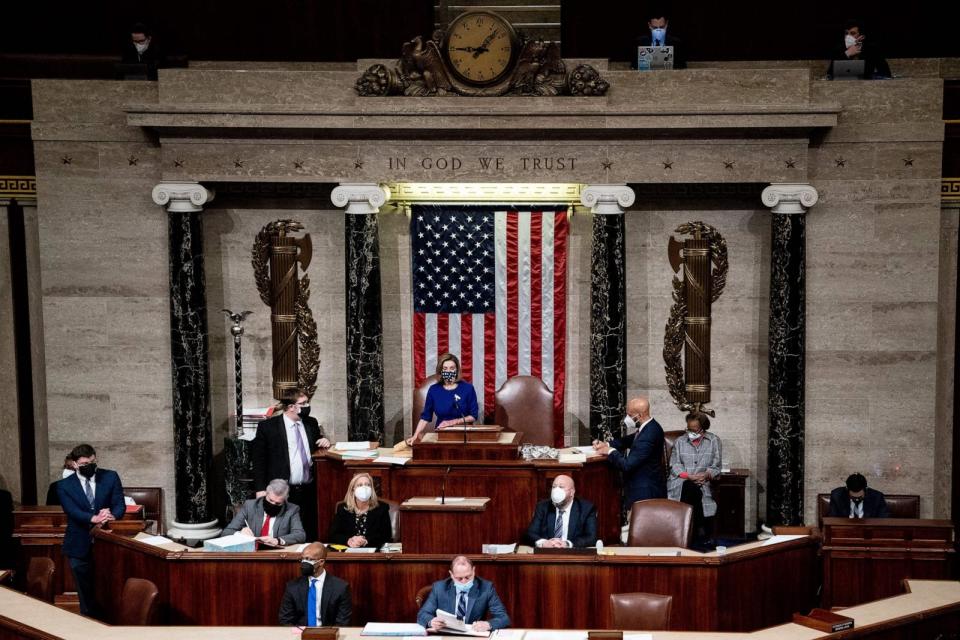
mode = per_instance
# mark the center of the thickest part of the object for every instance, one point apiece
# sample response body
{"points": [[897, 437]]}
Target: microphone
{"points": [[443, 487], [463, 418]]}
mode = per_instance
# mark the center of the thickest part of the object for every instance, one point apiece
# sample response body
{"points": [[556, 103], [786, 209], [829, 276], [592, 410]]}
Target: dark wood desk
{"points": [[868, 559], [743, 590], [451, 528], [729, 492]]}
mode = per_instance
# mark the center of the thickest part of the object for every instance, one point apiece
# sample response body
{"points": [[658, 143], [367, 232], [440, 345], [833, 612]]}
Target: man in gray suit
{"points": [[271, 519]]}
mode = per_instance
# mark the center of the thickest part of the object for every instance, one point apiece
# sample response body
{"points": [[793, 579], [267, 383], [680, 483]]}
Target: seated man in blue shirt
{"points": [[470, 598]]}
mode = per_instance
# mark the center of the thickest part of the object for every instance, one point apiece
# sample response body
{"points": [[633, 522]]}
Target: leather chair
{"points": [[394, 508], [525, 403], [138, 603], [669, 439], [640, 611], [40, 579], [152, 500], [660, 523], [900, 506], [422, 594], [419, 399]]}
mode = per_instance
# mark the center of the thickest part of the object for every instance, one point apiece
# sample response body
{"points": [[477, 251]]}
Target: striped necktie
{"points": [[89, 491], [558, 530], [462, 606]]}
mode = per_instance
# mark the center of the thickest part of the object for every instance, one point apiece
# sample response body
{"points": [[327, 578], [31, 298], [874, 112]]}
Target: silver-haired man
{"points": [[270, 519]]}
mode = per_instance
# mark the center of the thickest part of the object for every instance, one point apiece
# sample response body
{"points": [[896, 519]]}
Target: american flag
{"points": [[489, 286]]}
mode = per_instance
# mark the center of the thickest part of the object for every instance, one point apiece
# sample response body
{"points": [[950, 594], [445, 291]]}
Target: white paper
{"points": [[154, 540], [368, 453], [499, 548], [235, 538], [353, 446], [779, 539], [508, 634], [392, 460], [393, 629], [588, 449], [553, 634], [638, 636], [360, 550], [449, 499], [455, 625]]}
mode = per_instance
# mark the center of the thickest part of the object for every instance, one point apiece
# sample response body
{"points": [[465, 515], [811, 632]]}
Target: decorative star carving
{"points": [[178, 162], [668, 165], [908, 162], [728, 165], [238, 163], [132, 161], [791, 163], [66, 160], [358, 164], [607, 165], [298, 164], [841, 162]]}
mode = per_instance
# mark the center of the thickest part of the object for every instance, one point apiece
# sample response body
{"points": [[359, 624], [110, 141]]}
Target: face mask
{"points": [[141, 46], [88, 470], [271, 509], [693, 435], [558, 495], [305, 411], [448, 376], [362, 493], [306, 567], [463, 587], [68, 472], [849, 41], [658, 35], [630, 424]]}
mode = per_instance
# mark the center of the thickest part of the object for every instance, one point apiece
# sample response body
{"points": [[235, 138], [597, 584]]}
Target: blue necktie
{"points": [[558, 530], [462, 606], [89, 491], [312, 603]]}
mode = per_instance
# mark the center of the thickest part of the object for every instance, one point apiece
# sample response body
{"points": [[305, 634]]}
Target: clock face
{"points": [[480, 47]]}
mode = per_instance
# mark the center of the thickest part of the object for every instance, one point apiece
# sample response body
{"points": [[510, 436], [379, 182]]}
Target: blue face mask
{"points": [[463, 587]]}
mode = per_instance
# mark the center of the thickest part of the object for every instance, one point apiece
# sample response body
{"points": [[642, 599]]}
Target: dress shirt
{"points": [[317, 583], [93, 484], [856, 510], [565, 535], [296, 462]]}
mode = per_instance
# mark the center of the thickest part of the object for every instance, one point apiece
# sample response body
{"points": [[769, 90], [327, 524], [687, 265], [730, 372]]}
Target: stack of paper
{"points": [[393, 629], [453, 624], [361, 445], [499, 548], [235, 542], [393, 460], [360, 453]]}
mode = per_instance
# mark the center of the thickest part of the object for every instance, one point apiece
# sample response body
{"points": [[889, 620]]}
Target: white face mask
{"points": [[694, 435], [68, 472], [141, 46], [849, 41], [630, 424], [558, 495], [363, 492]]}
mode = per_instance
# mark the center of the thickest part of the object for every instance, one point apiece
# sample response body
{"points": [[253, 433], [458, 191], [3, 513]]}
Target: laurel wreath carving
{"points": [[674, 334]]}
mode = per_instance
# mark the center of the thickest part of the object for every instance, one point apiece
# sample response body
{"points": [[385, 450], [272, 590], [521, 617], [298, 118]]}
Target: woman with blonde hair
{"points": [[361, 520]]}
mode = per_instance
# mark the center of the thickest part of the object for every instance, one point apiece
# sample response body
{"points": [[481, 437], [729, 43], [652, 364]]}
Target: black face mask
{"points": [[88, 470], [271, 509], [306, 569], [304, 412]]}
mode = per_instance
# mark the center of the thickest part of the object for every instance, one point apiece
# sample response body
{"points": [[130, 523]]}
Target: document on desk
{"points": [[507, 634], [779, 539], [392, 460], [360, 550], [552, 634], [402, 629], [455, 625], [363, 445]]}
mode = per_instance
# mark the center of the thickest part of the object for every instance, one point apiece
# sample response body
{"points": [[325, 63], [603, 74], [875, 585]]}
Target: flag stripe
{"points": [[479, 357], [500, 238], [419, 348], [491, 361], [430, 344], [465, 327], [536, 287], [560, 326], [443, 333], [547, 320], [513, 343]]}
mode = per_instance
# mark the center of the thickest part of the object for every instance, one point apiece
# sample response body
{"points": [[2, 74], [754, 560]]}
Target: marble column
{"points": [[192, 430], [787, 347], [608, 308], [364, 314]]}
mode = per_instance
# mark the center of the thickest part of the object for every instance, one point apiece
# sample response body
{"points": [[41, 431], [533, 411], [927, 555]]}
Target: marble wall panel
{"points": [[905, 100], [946, 349], [9, 418]]}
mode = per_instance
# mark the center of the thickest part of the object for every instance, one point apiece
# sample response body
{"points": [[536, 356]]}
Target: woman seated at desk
{"points": [[694, 462], [451, 400], [361, 520]]}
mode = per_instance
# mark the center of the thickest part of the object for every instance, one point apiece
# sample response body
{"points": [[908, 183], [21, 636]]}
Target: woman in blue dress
{"points": [[451, 400]]}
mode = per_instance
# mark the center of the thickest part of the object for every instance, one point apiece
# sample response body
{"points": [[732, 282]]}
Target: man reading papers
{"points": [[467, 597]]}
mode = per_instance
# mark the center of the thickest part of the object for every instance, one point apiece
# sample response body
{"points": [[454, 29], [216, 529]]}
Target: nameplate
{"points": [[823, 620], [604, 635], [320, 633]]}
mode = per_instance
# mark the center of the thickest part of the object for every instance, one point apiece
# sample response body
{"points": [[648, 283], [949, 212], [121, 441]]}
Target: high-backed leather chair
{"points": [[640, 611], [420, 398], [900, 506], [40, 579], [152, 500], [138, 603], [660, 523], [669, 439], [525, 403], [394, 508], [422, 594]]}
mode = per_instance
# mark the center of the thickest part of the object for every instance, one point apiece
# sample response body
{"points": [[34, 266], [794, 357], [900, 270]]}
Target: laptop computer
{"points": [[654, 58], [849, 69]]}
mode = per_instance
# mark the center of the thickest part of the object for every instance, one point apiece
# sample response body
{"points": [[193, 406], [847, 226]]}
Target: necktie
{"points": [[302, 450], [462, 606], [558, 530], [265, 529], [312, 603], [89, 491]]}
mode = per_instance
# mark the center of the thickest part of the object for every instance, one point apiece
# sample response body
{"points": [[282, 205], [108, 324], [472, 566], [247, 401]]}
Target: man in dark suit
{"points": [[564, 520], [467, 597], [316, 598], [283, 449], [658, 35], [856, 500], [271, 519], [89, 497], [638, 455]]}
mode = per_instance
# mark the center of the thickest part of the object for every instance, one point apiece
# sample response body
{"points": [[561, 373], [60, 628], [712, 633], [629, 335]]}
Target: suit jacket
{"points": [[581, 529], [344, 526], [288, 526], [108, 494], [874, 504], [335, 602], [482, 599], [645, 40], [642, 467], [269, 453], [875, 64]]}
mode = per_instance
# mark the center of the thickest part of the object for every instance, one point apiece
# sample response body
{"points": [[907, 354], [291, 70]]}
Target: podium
{"points": [[483, 442], [461, 525]]}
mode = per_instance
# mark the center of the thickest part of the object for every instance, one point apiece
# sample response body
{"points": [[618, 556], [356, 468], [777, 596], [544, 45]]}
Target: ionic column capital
{"points": [[785, 198], [360, 198], [607, 199], [182, 197]]}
